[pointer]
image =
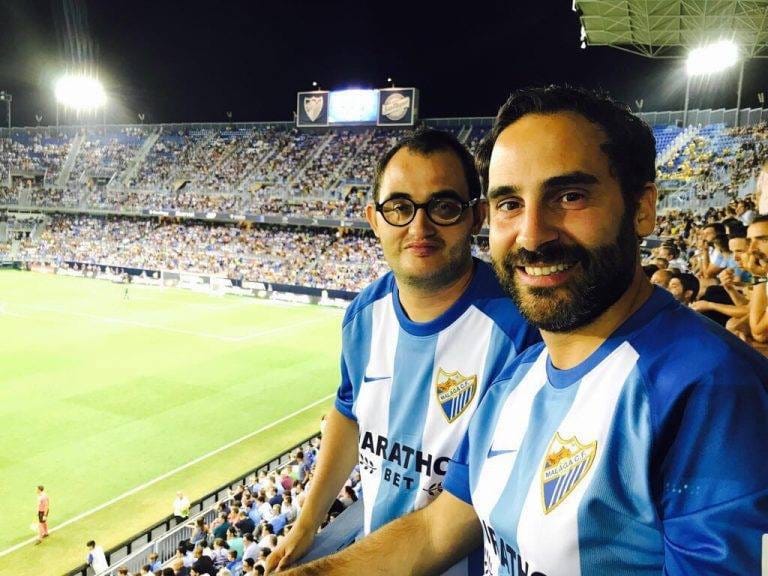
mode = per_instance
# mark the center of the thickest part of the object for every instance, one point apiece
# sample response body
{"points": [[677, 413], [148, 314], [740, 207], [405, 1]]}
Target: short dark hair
{"points": [[690, 282], [425, 142], [673, 250], [631, 147], [760, 218], [90, 543], [718, 227]]}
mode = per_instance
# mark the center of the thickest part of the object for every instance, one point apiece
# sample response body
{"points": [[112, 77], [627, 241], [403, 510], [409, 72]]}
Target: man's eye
{"points": [[508, 205], [571, 197]]}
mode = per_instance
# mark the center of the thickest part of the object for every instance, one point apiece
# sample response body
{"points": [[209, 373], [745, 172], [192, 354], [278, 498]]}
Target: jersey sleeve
{"points": [[345, 393], [713, 482], [457, 478]]}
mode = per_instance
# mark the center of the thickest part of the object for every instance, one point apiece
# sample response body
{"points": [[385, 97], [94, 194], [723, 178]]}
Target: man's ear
{"points": [[479, 215], [645, 215], [370, 215]]}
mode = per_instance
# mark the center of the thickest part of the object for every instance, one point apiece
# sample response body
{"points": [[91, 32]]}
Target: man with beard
{"points": [[629, 444], [419, 346]]}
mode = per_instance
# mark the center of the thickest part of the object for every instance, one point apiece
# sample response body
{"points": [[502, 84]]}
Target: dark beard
{"points": [[605, 275]]}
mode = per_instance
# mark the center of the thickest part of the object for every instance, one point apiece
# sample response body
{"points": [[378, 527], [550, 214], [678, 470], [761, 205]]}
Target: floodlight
{"points": [[80, 92], [712, 58]]}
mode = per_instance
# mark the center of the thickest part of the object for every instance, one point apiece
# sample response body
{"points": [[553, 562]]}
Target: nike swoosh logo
{"points": [[374, 378], [493, 453]]}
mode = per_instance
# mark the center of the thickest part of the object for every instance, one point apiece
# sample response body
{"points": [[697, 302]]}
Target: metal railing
{"points": [[165, 536]]}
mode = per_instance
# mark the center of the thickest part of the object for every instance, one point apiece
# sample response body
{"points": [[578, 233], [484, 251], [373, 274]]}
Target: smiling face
{"points": [[422, 254], [562, 240]]}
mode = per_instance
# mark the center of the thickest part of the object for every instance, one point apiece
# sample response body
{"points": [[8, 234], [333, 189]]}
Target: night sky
{"points": [[188, 61]]}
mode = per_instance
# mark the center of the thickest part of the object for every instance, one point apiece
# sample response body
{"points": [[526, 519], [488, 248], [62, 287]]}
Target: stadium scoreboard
{"points": [[382, 107]]}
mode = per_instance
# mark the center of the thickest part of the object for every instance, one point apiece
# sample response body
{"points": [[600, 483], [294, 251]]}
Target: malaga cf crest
{"points": [[566, 464], [454, 392], [313, 106]]}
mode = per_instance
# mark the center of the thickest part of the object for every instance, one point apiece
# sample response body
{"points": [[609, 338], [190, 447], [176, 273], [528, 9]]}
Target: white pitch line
{"points": [[167, 475]]}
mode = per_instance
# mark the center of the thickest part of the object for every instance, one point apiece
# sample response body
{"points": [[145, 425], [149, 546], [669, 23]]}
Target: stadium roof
{"points": [[669, 28]]}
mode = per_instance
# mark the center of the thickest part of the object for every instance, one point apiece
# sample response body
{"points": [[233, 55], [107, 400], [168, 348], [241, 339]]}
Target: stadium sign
{"points": [[312, 109], [383, 107], [397, 106]]}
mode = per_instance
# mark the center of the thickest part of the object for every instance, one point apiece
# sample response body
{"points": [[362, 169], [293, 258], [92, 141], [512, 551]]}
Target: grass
{"points": [[100, 395]]}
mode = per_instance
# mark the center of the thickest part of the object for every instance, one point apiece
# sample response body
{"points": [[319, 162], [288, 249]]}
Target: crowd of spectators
{"points": [[312, 257], [716, 263], [104, 154], [34, 152], [248, 525], [718, 159]]}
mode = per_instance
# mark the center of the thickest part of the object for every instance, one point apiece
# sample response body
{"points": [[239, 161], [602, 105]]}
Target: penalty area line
{"points": [[168, 474]]}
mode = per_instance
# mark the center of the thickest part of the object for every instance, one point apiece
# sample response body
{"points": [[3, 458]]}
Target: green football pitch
{"points": [[114, 404]]}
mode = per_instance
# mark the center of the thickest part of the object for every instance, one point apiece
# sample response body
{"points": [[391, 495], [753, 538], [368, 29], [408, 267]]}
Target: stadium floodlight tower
{"points": [[81, 93], [711, 59]]}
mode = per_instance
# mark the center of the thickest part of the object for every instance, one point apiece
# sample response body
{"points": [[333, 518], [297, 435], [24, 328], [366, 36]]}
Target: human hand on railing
{"points": [[291, 549]]}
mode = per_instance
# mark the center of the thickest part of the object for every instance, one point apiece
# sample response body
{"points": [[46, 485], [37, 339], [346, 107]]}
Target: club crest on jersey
{"points": [[313, 105], [454, 392], [566, 464]]}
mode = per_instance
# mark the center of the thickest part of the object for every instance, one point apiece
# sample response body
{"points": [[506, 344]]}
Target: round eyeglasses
{"points": [[442, 211]]}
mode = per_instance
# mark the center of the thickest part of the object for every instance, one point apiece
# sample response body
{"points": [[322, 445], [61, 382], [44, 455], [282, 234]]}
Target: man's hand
{"points": [[726, 278], [291, 549], [701, 305]]}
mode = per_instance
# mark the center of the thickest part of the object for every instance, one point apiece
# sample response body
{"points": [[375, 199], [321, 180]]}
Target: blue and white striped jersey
{"points": [[648, 458], [412, 387]]}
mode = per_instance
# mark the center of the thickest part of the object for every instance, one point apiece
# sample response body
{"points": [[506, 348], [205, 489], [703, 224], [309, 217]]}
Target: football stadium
{"points": [[558, 365]]}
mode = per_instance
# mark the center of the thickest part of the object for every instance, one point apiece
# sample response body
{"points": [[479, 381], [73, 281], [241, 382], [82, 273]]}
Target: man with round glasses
{"points": [[419, 346]]}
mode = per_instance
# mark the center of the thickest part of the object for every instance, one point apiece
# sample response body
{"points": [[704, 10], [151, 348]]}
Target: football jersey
{"points": [[413, 386], [647, 458]]}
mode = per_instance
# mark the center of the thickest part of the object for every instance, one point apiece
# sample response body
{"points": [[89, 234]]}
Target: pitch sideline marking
{"points": [[168, 474]]}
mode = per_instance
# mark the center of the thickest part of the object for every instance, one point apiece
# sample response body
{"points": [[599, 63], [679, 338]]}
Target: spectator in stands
{"points": [[96, 558], [761, 189], [661, 278], [234, 563], [671, 254], [287, 508], [122, 570], [199, 531], [265, 536], [220, 552], [248, 565], [244, 524], [251, 547], [221, 526], [146, 570], [235, 541], [348, 496], [278, 520], [286, 478], [180, 507], [684, 287], [711, 259], [757, 233], [203, 564], [154, 562], [426, 208]]}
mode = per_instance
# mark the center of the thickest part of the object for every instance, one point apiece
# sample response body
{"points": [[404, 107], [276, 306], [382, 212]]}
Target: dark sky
{"points": [[186, 61]]}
